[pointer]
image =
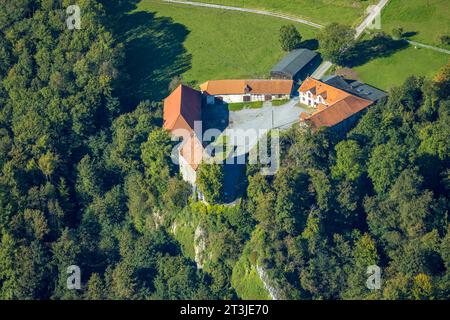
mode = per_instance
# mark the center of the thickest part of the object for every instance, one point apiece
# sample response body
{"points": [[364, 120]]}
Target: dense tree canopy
{"points": [[380, 199], [82, 183], [86, 181], [335, 41]]}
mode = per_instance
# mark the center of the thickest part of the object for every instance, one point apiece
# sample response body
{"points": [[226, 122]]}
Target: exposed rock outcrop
{"points": [[274, 293], [199, 246]]}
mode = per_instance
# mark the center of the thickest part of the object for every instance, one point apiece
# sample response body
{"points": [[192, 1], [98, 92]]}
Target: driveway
{"points": [[242, 130], [244, 122]]}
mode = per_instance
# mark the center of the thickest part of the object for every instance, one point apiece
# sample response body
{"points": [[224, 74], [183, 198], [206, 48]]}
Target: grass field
{"points": [[391, 71], [319, 11], [224, 44], [426, 20]]}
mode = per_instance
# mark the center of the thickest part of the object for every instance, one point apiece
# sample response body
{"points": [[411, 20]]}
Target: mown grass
{"points": [[277, 103], [225, 44], [387, 72], [319, 11], [245, 105], [425, 20]]}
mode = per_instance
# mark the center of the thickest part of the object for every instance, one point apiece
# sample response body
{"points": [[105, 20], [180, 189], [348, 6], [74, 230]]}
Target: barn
{"points": [[297, 65]]}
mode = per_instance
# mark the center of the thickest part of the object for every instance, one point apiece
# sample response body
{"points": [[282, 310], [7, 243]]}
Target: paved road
{"points": [[266, 13], [376, 10], [321, 70]]}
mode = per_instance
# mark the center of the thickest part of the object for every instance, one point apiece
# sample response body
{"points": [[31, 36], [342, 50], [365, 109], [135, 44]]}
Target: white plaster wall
{"points": [[233, 98], [310, 101], [254, 97], [188, 174]]}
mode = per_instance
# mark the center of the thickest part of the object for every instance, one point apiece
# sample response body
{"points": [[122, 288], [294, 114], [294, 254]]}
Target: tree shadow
{"points": [[409, 34], [378, 46], [311, 44], [234, 174], [154, 51]]}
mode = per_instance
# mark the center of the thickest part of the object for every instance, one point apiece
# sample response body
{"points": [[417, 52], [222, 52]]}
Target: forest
{"points": [[86, 179]]}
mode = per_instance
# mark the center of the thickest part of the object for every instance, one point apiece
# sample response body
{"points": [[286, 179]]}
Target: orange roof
{"points": [[321, 107], [304, 116], [218, 87], [192, 151], [330, 94], [182, 108], [338, 112]]}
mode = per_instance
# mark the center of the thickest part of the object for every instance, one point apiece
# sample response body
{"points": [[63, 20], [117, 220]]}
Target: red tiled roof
{"points": [[330, 94], [338, 112], [227, 87], [182, 108]]}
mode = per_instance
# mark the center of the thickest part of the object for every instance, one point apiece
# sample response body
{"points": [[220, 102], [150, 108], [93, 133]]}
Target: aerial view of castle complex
{"points": [[226, 155]]}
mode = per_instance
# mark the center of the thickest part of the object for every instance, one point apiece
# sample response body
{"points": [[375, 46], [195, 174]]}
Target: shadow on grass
{"points": [[311, 44], [154, 51], [409, 34], [378, 46]]}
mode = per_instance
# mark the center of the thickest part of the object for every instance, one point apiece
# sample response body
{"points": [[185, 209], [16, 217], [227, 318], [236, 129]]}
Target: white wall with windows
{"points": [[309, 99], [237, 98]]}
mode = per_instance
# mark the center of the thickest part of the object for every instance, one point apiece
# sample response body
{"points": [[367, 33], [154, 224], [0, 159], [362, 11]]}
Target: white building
{"points": [[235, 91], [181, 110]]}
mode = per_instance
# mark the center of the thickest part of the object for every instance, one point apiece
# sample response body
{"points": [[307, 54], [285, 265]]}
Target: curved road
{"points": [[266, 13]]}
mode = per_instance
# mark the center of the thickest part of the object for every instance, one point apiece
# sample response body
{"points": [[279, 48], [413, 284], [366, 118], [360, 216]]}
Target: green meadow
{"points": [[220, 44], [387, 72], [422, 20], [319, 11]]}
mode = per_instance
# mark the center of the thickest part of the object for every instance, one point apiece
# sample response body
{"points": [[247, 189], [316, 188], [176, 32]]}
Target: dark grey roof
{"points": [[295, 61], [355, 87]]}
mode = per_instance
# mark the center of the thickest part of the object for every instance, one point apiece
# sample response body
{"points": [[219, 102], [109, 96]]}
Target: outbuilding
{"points": [[297, 65]]}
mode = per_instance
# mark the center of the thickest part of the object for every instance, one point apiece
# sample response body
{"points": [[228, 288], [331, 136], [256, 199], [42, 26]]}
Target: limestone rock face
{"points": [[199, 246], [273, 292]]}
